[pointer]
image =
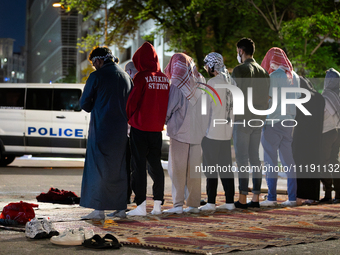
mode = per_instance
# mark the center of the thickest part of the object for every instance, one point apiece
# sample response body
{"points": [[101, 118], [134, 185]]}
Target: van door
{"points": [[38, 120], [12, 121], [70, 123]]}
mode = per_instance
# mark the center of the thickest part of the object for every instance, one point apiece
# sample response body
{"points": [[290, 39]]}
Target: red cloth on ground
{"points": [[21, 212], [59, 196]]}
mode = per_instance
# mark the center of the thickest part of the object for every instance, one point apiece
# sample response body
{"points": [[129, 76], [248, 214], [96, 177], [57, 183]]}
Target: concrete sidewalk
{"points": [[15, 242]]}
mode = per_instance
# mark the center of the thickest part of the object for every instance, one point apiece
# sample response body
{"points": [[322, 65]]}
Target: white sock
{"points": [[140, 210], [157, 207]]}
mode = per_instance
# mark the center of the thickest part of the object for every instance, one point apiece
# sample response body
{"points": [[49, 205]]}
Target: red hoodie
{"points": [[148, 101]]}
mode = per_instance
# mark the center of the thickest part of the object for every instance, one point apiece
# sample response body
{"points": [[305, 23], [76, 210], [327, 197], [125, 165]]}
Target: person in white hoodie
{"points": [[216, 144], [186, 126]]}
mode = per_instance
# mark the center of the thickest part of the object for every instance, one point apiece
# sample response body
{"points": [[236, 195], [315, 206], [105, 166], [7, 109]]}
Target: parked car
{"points": [[45, 120]]}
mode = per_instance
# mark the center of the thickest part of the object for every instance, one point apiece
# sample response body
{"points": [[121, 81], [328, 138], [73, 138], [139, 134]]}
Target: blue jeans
{"points": [[246, 144], [279, 139]]}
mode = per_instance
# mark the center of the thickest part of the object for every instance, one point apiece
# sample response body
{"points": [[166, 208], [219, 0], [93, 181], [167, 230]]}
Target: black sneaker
{"points": [[336, 201], [241, 206], [326, 201], [253, 204]]}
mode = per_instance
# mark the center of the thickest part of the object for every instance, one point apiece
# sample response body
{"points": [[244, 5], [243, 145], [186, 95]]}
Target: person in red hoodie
{"points": [[146, 111]]}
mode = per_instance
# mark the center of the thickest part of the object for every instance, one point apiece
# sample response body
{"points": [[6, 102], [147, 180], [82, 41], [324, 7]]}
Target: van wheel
{"points": [[6, 160]]}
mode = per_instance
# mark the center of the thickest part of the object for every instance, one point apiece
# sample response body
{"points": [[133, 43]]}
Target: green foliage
{"points": [[198, 27], [305, 40]]}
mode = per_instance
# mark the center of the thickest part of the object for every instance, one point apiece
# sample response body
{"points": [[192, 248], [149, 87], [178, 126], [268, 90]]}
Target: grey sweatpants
{"points": [[183, 158]]}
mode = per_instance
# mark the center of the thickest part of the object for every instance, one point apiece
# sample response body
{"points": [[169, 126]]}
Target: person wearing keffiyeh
{"points": [[104, 183], [331, 136], [186, 127], [277, 137], [216, 145]]}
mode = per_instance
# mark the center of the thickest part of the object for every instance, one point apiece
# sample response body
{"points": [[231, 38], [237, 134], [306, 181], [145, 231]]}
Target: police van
{"points": [[41, 119], [45, 120]]}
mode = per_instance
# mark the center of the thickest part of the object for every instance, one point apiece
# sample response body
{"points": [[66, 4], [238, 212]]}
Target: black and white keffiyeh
{"points": [[215, 60], [106, 57]]}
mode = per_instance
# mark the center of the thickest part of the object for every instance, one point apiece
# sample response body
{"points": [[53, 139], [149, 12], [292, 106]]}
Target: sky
{"points": [[13, 21]]}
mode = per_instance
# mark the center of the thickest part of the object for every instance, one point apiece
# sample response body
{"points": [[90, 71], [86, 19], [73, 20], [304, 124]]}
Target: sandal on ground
{"points": [[108, 241], [111, 242]]}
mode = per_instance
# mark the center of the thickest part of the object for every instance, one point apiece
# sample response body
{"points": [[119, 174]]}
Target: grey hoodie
{"points": [[184, 121]]}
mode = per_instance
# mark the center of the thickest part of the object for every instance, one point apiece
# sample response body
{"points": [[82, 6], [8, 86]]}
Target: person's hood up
{"points": [[146, 59], [332, 80]]}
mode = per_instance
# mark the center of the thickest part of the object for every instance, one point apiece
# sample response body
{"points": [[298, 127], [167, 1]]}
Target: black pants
{"points": [[329, 157], [128, 170], [146, 146], [218, 153]]}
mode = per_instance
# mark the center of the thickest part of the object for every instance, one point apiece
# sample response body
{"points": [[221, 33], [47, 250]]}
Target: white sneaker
{"points": [[140, 210], [95, 215], [288, 203], [157, 207], [226, 206], [207, 207], [117, 213], [48, 227], [69, 237], [191, 209], [268, 203], [177, 210], [34, 229]]}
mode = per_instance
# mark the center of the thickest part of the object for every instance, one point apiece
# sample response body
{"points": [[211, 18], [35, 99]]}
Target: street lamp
{"points": [[59, 5]]}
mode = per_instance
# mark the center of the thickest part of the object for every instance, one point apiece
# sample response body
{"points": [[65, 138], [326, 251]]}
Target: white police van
{"points": [[45, 120], [41, 120]]}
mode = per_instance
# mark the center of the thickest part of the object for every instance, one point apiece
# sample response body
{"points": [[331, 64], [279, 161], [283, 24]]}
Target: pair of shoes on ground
{"points": [[95, 215], [287, 203], [40, 228], [97, 242], [213, 207], [72, 237], [140, 210]]}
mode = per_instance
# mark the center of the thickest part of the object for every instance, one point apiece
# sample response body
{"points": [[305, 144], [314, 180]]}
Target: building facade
{"points": [[12, 64], [51, 42]]}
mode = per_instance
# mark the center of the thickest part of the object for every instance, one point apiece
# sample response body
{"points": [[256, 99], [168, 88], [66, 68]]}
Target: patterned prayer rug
{"points": [[226, 231]]}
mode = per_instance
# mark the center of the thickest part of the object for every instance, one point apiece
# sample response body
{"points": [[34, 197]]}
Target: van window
{"points": [[12, 98], [39, 99], [66, 100]]}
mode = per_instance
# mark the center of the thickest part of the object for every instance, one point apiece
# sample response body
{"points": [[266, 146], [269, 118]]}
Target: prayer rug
{"points": [[226, 231]]}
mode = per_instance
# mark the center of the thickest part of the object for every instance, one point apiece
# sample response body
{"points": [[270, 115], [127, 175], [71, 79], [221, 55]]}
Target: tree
{"points": [[195, 27], [111, 22], [306, 39]]}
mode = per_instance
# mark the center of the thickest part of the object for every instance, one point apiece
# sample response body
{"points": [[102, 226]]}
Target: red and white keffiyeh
{"points": [[182, 73], [276, 58]]}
